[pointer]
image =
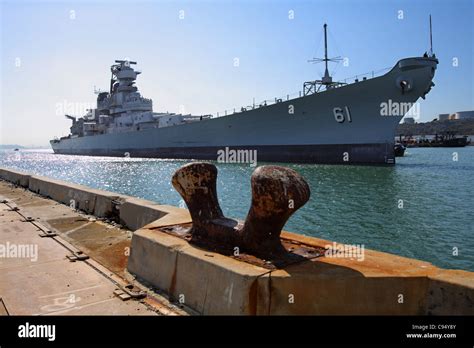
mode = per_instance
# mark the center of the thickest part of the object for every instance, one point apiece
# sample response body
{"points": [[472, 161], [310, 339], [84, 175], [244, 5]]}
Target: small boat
{"points": [[449, 140], [399, 150], [16, 149], [455, 142]]}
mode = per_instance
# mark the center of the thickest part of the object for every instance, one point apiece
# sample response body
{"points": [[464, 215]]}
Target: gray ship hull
{"points": [[327, 154], [310, 134]]}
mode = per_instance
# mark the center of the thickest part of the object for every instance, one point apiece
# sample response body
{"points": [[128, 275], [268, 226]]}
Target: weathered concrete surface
{"points": [[15, 177], [380, 284], [99, 239], [207, 282], [211, 283], [154, 256], [451, 291], [48, 283], [54, 285], [136, 213], [129, 211], [3, 308]]}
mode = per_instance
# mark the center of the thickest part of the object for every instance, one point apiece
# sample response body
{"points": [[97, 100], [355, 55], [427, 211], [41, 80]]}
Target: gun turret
{"points": [[72, 118]]}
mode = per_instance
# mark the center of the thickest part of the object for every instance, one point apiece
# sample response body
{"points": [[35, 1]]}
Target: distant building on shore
{"points": [[409, 120], [443, 117], [464, 115], [460, 115]]}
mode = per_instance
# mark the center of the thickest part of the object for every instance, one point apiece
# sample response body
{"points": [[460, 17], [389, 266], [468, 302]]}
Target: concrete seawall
{"points": [[212, 283], [130, 211]]}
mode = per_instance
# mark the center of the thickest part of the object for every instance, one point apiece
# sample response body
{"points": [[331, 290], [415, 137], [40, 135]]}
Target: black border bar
{"points": [[223, 330]]}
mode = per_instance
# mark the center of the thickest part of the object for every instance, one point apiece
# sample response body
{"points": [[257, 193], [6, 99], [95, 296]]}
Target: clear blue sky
{"points": [[190, 61]]}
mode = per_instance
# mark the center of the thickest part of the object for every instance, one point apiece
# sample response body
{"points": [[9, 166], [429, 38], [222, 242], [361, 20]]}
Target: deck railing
{"points": [[294, 95]]}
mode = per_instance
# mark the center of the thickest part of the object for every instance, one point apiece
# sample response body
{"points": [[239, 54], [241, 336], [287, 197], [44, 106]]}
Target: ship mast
{"points": [[431, 39], [326, 72], [310, 87]]}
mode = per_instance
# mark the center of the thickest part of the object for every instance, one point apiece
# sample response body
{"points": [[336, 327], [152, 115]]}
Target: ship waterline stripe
{"points": [[382, 153]]}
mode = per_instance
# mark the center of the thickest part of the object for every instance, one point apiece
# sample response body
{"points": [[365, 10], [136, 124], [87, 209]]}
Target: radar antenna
{"points": [[327, 79], [125, 62], [97, 90], [310, 87]]}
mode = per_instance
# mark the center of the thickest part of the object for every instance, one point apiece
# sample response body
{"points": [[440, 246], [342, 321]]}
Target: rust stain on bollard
{"points": [[277, 192], [196, 183]]}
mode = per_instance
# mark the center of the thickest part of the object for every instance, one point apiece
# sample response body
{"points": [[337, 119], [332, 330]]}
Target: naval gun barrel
{"points": [[72, 118], [125, 61]]}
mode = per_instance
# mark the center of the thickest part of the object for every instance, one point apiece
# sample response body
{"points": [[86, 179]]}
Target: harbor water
{"points": [[421, 208]]}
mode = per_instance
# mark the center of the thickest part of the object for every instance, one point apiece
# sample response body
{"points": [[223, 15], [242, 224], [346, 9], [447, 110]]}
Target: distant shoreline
{"points": [[20, 147], [457, 127]]}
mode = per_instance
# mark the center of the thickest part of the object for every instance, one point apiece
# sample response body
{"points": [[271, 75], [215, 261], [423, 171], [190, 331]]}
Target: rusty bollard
{"points": [[277, 192], [196, 183]]}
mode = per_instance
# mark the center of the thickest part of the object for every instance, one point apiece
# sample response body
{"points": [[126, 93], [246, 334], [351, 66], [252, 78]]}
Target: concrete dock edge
{"points": [[214, 284], [132, 212]]}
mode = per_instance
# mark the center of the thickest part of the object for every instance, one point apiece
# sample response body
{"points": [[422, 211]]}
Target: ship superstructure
{"points": [[123, 109]]}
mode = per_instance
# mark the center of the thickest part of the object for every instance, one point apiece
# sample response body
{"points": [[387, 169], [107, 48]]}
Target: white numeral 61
{"points": [[340, 114]]}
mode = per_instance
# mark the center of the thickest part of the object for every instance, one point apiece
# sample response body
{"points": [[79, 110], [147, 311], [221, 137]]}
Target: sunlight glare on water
{"points": [[350, 204]]}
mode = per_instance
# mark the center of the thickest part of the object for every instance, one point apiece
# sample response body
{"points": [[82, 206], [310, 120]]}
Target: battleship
{"points": [[329, 122]]}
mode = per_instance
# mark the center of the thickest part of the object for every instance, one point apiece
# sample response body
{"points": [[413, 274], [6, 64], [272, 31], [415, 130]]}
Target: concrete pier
{"points": [[55, 260], [179, 273]]}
